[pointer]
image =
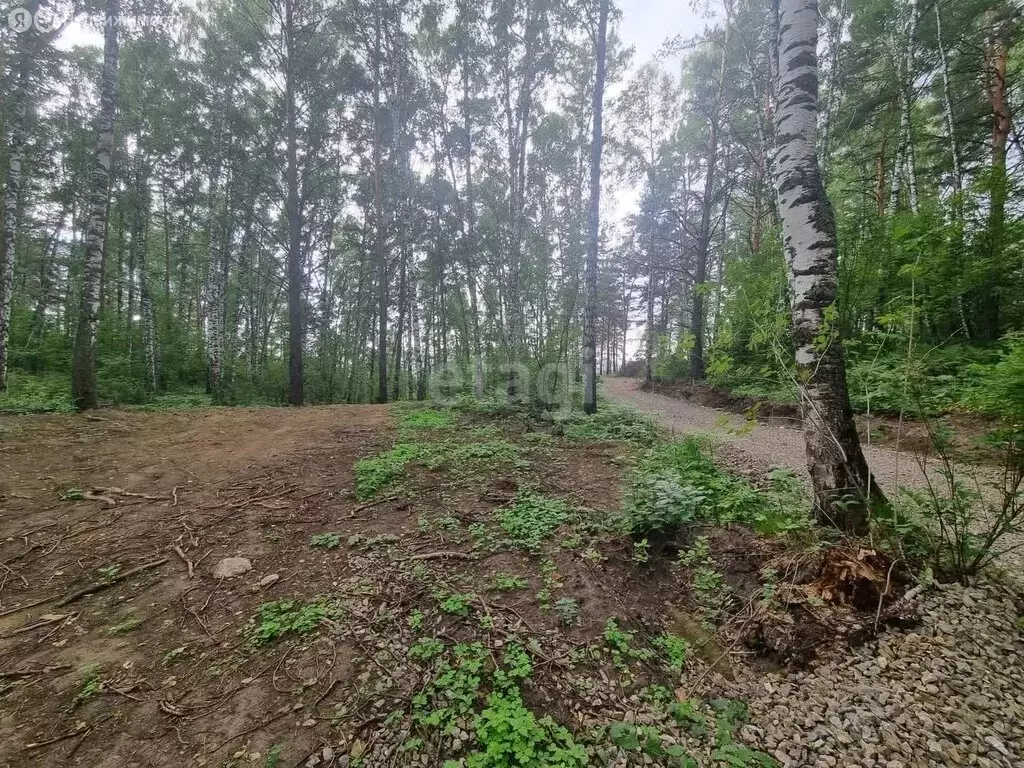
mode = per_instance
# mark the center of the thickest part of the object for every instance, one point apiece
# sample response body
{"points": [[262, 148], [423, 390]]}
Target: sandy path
{"points": [[763, 445], [760, 446]]}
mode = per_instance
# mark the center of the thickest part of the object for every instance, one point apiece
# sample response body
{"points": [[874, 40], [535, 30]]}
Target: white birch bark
{"points": [[12, 196], [83, 374], [838, 470], [947, 105]]}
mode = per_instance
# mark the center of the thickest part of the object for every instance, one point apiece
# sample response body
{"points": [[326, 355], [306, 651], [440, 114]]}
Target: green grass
{"points": [[382, 470], [425, 418], [611, 422]]}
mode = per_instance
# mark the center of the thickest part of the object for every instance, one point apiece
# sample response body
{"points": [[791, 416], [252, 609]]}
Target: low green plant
{"points": [[568, 610], [531, 519], [273, 757], [674, 649], [611, 422], [454, 603], [504, 582], [90, 683], [426, 648], [380, 471], [125, 625], [325, 540], [511, 736], [415, 620], [277, 618], [425, 418], [679, 482]]}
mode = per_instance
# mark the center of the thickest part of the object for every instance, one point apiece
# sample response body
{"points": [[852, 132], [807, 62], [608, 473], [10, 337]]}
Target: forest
{"points": [[486, 385], [326, 202]]}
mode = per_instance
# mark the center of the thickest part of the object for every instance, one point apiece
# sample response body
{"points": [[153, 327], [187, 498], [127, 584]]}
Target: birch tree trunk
{"points": [[12, 196], [593, 238], [843, 485], [947, 105], [83, 371]]}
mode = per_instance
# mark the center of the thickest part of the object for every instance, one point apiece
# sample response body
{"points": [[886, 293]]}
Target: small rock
{"points": [[230, 567], [309, 722], [269, 579]]}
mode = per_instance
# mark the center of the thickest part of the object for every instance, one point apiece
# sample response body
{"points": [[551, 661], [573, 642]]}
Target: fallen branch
{"points": [[370, 504], [438, 556], [25, 607], [188, 563], [82, 729], [100, 585], [44, 622], [9, 673]]}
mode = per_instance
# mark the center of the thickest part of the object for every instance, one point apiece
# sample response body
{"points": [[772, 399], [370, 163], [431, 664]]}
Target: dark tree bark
{"points": [[296, 395], [594, 233]]}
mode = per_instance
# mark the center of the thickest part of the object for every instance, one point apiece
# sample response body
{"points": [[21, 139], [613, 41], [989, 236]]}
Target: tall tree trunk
{"points": [[83, 372], [296, 395], [12, 200], [996, 60], [378, 216], [140, 244], [697, 366], [594, 233], [947, 105], [471, 256], [843, 485]]}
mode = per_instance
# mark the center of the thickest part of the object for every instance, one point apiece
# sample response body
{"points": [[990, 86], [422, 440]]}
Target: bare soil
{"points": [[111, 526]]}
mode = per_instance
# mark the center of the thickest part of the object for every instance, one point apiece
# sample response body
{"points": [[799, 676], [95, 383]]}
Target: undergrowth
{"points": [[678, 483]]}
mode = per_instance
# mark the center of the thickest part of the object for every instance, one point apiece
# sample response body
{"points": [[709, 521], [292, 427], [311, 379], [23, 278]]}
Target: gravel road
{"points": [[950, 692], [763, 445]]}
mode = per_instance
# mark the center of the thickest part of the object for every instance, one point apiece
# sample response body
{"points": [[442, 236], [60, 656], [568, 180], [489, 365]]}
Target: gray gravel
{"points": [[948, 693]]}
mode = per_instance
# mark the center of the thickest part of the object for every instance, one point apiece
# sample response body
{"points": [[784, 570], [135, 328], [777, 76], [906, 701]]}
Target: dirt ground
{"points": [[112, 525], [176, 491]]}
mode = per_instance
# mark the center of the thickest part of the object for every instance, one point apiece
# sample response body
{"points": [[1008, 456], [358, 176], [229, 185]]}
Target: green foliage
{"points": [[568, 610], [382, 470], [273, 757], [504, 582], [656, 503], [454, 603], [531, 519], [611, 422], [36, 394], [511, 736], [425, 418], [90, 683], [678, 482], [674, 649], [325, 540], [426, 648], [277, 618]]}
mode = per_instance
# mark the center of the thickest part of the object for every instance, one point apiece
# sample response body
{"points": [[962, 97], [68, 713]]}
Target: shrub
{"points": [[679, 481]]}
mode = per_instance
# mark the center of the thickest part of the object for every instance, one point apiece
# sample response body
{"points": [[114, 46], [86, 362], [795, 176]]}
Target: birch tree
{"points": [[843, 485], [83, 372]]}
